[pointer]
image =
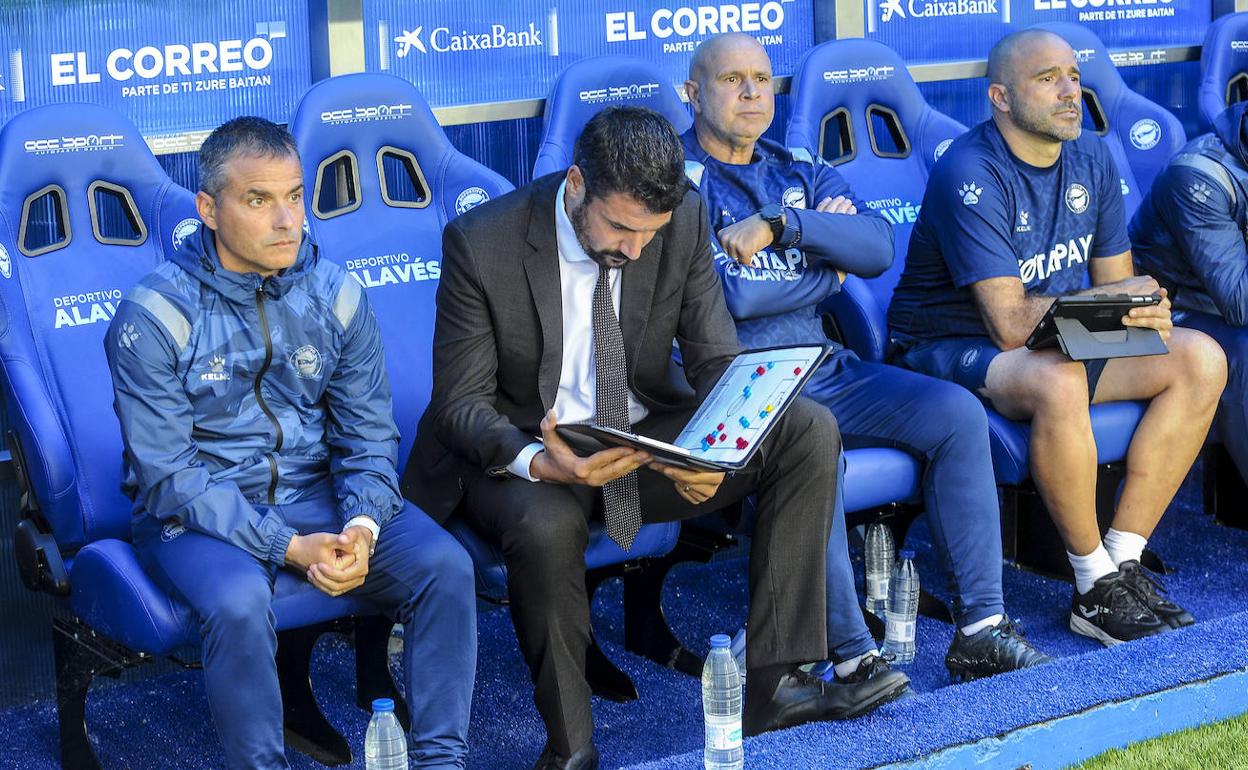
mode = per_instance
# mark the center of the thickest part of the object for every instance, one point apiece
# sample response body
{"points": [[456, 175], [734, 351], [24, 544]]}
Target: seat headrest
{"points": [[364, 111], [72, 146], [854, 73], [1223, 67], [586, 87], [868, 84]]}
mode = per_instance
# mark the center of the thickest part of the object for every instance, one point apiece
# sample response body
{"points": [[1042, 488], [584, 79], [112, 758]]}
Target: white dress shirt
{"points": [[578, 275]]}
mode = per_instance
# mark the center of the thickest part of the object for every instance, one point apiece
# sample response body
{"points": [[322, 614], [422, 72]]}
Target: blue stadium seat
{"points": [[884, 138], [1223, 67], [85, 211], [384, 180], [1141, 135], [585, 87], [846, 122]]}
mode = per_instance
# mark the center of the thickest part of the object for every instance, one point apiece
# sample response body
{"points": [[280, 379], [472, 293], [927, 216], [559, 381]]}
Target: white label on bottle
{"points": [[723, 733], [877, 587], [899, 628]]}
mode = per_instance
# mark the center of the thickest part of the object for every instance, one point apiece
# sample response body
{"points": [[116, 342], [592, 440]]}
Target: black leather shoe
{"points": [[991, 651], [1152, 591], [586, 758], [801, 697]]}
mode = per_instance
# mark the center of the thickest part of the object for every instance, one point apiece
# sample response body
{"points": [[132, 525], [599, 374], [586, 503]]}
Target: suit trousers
{"points": [[419, 575], [543, 531]]}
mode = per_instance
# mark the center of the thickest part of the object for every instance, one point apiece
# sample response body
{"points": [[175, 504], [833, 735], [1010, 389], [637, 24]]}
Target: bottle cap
{"points": [[383, 704], [907, 553], [720, 641]]}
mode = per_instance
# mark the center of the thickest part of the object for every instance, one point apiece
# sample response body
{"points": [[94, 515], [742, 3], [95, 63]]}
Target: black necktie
{"points": [[621, 503]]}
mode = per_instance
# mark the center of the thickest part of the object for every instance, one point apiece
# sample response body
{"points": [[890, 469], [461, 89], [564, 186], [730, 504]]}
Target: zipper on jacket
{"points": [[268, 359]]}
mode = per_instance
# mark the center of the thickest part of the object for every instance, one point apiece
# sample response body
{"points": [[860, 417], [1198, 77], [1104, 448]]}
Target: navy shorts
{"points": [[965, 360]]}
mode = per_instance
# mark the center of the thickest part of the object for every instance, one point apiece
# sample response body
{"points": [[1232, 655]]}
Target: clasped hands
{"points": [[558, 464], [334, 563]]}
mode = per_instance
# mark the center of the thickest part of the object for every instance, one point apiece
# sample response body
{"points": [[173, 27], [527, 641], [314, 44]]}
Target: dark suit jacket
{"points": [[498, 340]]}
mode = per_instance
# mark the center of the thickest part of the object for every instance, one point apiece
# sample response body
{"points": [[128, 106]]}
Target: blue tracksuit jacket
{"points": [[1189, 232], [234, 390]]}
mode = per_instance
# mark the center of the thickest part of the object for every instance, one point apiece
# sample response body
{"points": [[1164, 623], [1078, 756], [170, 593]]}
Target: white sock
{"points": [[1091, 567], [847, 667], [980, 625], [1124, 546]]}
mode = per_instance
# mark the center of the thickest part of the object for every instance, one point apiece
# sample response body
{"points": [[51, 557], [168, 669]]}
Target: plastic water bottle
{"points": [[879, 564], [738, 652], [903, 609], [721, 705], [385, 745], [394, 652]]}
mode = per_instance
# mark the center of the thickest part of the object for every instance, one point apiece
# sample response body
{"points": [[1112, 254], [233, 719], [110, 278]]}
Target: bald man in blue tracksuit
{"points": [[1189, 233], [789, 230]]}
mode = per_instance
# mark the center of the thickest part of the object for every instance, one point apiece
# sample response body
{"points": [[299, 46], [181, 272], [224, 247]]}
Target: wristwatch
{"points": [[782, 235]]}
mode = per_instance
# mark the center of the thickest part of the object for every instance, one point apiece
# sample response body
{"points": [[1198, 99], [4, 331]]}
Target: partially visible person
{"points": [[1020, 210], [1190, 233], [256, 418]]}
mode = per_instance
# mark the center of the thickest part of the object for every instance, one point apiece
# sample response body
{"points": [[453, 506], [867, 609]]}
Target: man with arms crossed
{"points": [[1021, 209], [747, 181], [255, 412], [558, 304]]}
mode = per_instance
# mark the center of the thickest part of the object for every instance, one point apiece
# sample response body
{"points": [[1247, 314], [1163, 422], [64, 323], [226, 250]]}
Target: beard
{"points": [[607, 259], [1040, 120]]}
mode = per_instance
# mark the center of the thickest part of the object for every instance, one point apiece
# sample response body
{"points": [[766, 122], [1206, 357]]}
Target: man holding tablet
{"points": [[559, 303], [1021, 209]]}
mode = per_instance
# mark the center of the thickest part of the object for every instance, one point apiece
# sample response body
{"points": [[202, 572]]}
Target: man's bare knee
{"points": [[1054, 389], [1198, 366]]}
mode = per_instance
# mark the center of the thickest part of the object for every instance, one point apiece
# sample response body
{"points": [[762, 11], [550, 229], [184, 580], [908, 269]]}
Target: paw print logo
{"points": [[1200, 192], [128, 335], [970, 193]]}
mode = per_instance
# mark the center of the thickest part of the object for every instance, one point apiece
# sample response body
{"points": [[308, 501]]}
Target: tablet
{"points": [[726, 430], [1090, 326]]}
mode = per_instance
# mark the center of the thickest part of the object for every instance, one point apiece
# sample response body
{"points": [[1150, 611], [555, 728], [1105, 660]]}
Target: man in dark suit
{"points": [[559, 303]]}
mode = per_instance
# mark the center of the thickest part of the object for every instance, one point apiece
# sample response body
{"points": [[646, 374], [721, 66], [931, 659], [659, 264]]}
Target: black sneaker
{"points": [[1151, 590], [803, 697], [1112, 613], [991, 650]]}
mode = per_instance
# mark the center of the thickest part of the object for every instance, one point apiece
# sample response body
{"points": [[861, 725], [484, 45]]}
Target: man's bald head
{"points": [[732, 95], [708, 56], [1013, 50]]}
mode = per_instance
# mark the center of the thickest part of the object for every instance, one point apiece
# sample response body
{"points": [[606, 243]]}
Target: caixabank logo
{"points": [[682, 26], [420, 41], [145, 68], [894, 12]]}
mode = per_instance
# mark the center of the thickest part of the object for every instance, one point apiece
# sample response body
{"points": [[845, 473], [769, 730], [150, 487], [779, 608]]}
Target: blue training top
{"points": [[987, 214], [773, 301], [1189, 232]]}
